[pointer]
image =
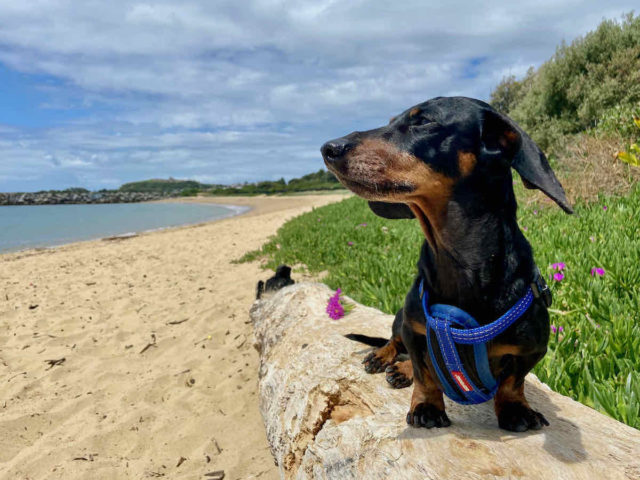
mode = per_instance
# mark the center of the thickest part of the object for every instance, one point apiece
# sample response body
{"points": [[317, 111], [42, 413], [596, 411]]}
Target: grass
{"points": [[595, 359]]}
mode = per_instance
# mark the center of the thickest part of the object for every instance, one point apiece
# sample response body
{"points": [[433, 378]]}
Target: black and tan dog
{"points": [[281, 279], [447, 162]]}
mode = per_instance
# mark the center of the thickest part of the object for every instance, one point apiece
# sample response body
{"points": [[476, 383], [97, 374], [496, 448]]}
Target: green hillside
{"points": [[162, 186], [320, 180]]}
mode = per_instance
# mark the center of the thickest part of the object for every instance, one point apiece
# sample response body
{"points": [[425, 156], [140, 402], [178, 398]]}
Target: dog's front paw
{"points": [[400, 375], [378, 361], [427, 416], [516, 417]]}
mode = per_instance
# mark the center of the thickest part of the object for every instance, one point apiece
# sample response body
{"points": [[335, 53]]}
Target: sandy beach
{"points": [[133, 358]]}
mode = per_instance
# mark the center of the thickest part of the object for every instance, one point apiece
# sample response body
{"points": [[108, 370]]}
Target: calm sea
{"points": [[49, 225]]}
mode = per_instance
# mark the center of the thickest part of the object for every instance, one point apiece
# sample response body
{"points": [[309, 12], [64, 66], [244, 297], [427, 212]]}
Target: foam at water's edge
{"points": [[235, 209]]}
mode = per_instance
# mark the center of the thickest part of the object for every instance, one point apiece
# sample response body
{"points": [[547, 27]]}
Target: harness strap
{"points": [[442, 339]]}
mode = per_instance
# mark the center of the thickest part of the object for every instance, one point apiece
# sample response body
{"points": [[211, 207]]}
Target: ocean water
{"points": [[49, 225]]}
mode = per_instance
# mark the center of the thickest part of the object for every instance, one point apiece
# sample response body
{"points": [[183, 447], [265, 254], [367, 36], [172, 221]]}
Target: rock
{"points": [[326, 418], [64, 197]]}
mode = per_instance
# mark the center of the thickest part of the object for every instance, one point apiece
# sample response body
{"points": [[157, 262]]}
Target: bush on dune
{"points": [[576, 88], [579, 107]]}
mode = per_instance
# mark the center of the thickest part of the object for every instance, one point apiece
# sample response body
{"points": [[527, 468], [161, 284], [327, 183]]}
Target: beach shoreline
{"points": [[245, 205], [234, 210], [119, 358]]}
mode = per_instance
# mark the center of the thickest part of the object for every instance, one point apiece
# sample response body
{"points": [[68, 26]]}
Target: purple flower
{"points": [[561, 329], [362, 225], [334, 308], [558, 277], [553, 329], [597, 271], [525, 228], [605, 208], [559, 266], [593, 239], [350, 244], [535, 212]]}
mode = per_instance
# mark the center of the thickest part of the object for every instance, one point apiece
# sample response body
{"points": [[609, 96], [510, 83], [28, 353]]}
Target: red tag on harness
{"points": [[461, 381]]}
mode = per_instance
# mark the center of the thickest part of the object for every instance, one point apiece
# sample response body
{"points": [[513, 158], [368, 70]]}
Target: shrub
{"points": [[572, 91], [632, 156], [190, 192]]}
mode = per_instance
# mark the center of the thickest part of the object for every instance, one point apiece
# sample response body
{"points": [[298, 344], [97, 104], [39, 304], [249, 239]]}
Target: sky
{"points": [[95, 94]]}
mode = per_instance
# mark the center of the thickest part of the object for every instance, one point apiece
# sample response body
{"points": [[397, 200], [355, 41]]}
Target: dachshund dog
{"points": [[447, 163], [281, 279]]}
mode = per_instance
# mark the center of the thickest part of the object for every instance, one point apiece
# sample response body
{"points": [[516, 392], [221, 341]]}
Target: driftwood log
{"points": [[326, 418]]}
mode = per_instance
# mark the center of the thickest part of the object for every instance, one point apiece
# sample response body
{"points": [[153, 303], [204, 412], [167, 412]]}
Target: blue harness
{"points": [[456, 382]]}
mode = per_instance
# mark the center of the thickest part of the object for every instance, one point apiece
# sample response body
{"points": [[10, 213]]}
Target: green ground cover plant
{"points": [[594, 354]]}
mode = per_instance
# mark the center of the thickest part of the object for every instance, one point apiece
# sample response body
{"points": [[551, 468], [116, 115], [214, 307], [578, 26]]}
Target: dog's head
{"points": [[442, 150], [283, 271]]}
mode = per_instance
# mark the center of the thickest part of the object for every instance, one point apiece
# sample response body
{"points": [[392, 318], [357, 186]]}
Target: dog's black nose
{"points": [[334, 151]]}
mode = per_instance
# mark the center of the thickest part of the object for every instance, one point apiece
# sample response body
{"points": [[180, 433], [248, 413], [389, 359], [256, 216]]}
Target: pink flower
{"points": [[597, 271], [558, 277], [605, 208], [334, 308], [561, 329], [362, 225], [553, 329], [350, 244], [525, 228], [559, 266], [535, 212]]}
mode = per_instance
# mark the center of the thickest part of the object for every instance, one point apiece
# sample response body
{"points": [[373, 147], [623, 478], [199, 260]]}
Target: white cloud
{"points": [[249, 90]]}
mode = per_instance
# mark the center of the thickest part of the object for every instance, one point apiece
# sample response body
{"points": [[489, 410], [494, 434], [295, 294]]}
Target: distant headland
{"points": [[157, 189]]}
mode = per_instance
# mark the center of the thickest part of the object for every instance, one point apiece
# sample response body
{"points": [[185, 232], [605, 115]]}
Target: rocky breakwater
{"points": [[56, 198]]}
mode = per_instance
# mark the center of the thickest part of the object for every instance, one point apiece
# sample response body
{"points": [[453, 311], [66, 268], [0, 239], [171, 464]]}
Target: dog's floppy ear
{"points": [[501, 133], [391, 210]]}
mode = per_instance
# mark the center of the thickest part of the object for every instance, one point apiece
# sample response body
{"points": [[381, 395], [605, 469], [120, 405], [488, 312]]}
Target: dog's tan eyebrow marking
{"points": [[414, 111], [466, 162]]}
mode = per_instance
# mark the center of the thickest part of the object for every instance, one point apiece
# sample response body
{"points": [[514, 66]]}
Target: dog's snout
{"points": [[335, 148], [334, 151]]}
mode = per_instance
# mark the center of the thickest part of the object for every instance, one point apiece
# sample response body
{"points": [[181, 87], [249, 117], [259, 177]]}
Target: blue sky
{"points": [[96, 94]]}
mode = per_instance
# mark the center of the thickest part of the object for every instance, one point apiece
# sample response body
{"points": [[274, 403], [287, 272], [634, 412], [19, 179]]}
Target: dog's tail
{"points": [[373, 341], [259, 289]]}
